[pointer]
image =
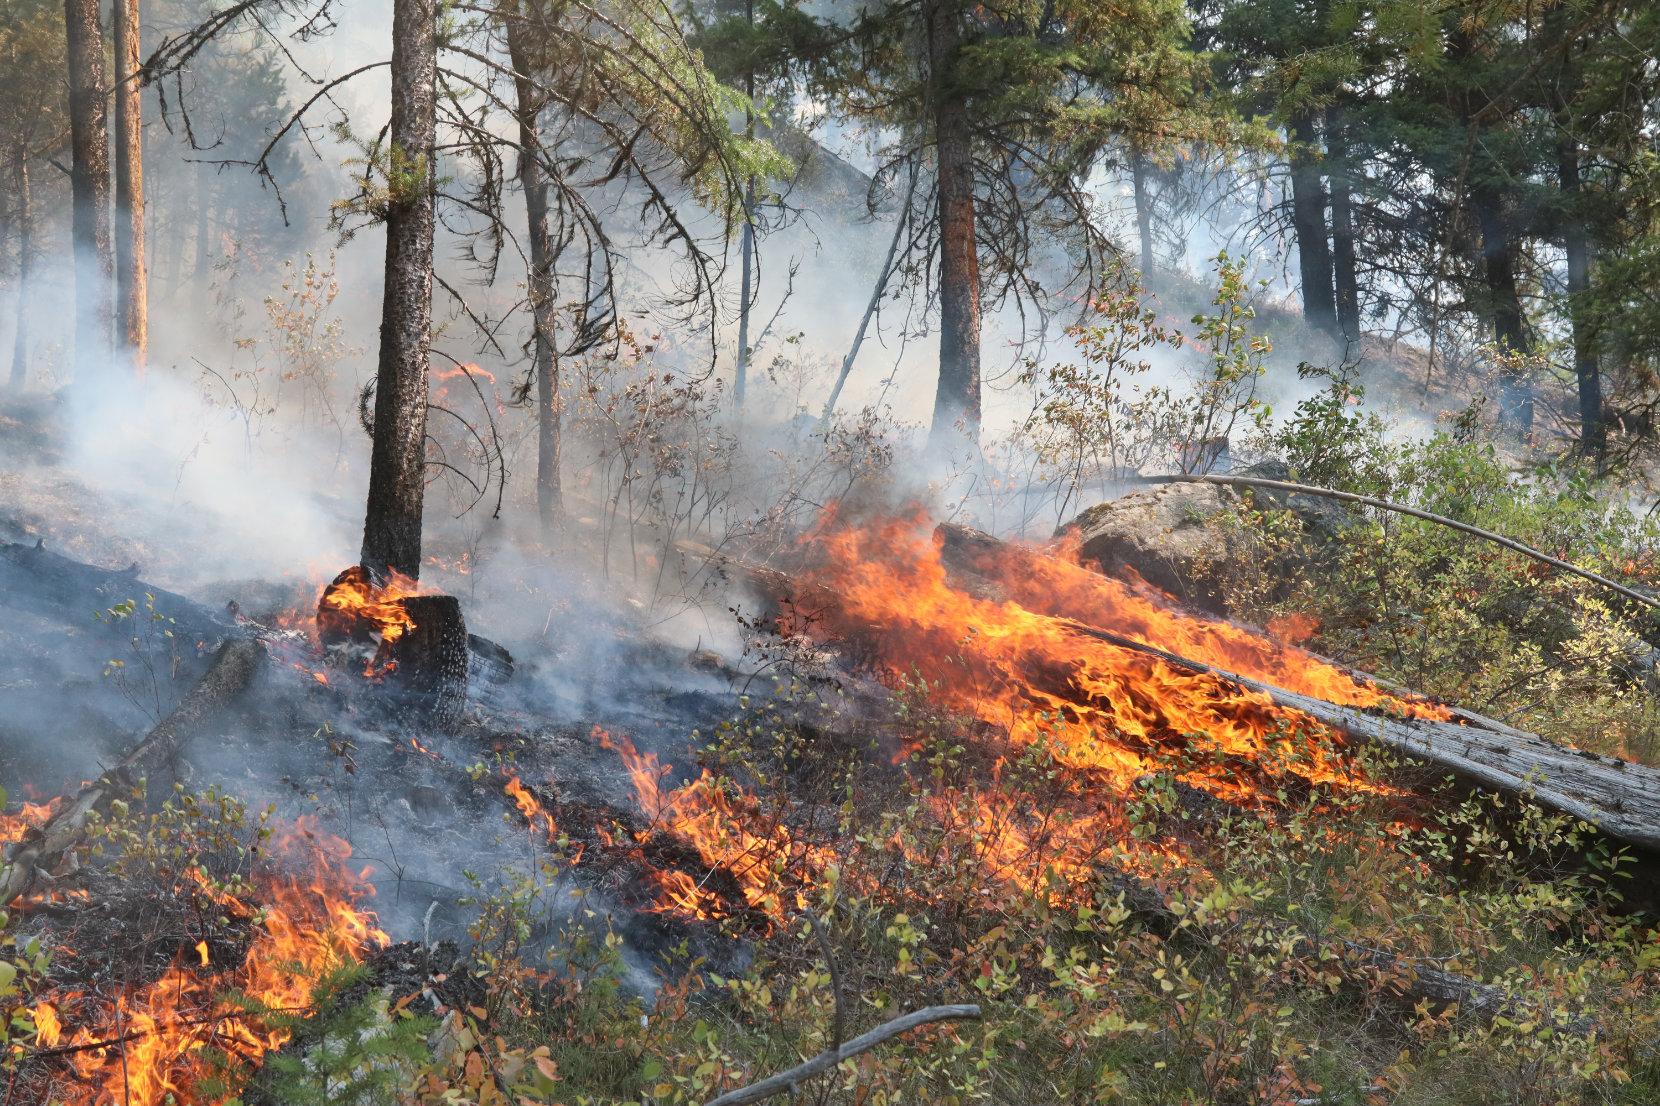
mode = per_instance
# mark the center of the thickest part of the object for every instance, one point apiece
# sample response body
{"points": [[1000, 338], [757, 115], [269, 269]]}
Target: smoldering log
{"points": [[38, 579], [1620, 798], [33, 858], [430, 677]]}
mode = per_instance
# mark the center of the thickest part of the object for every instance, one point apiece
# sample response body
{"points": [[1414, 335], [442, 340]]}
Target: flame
{"points": [[528, 805], [353, 602], [465, 369], [729, 831], [29, 816], [1028, 664], [149, 1046]]}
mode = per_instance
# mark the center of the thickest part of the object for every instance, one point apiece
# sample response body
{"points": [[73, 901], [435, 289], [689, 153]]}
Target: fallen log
{"points": [[34, 577], [1620, 798], [33, 858]]}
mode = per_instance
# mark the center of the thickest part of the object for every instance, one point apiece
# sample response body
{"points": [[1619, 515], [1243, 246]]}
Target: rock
{"points": [[1184, 538], [1172, 535]]}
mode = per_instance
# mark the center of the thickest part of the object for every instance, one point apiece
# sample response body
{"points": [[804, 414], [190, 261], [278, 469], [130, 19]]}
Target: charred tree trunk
{"points": [[1345, 278], [1143, 209], [132, 282], [1510, 334], [957, 400], [1308, 217], [533, 179], [90, 187], [397, 466], [1576, 244], [25, 219]]}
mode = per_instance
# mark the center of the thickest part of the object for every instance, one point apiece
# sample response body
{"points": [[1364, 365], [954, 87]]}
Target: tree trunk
{"points": [[957, 400], [90, 188], [1510, 334], [204, 225], [1143, 209], [24, 217], [533, 178], [1576, 244], [397, 466], [740, 378], [132, 282], [1345, 279], [1308, 216]]}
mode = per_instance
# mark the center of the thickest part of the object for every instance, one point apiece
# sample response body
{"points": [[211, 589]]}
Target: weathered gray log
{"points": [[40, 850], [1618, 797]]}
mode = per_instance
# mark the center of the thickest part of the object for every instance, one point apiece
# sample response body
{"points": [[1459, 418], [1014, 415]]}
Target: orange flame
{"points": [[149, 1046], [30, 816], [729, 832], [353, 602], [465, 369], [528, 805], [1028, 664]]}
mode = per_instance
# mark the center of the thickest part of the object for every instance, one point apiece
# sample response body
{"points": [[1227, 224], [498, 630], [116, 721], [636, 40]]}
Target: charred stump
{"points": [[428, 662]]}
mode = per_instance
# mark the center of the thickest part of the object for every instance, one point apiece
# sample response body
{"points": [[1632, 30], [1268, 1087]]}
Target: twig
{"points": [[835, 978], [824, 1061], [1400, 508]]}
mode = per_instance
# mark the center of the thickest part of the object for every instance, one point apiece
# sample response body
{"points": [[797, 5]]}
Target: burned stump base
{"points": [[429, 680]]}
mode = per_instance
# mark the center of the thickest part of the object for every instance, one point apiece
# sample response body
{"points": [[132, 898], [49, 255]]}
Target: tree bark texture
{"points": [[1143, 209], [1504, 304], [1308, 217], [957, 400], [1345, 277], [533, 179], [89, 181], [1576, 244], [132, 282], [397, 466]]}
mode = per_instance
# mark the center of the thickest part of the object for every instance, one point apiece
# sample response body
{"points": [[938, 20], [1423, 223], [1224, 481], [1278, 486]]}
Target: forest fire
{"points": [[728, 831], [1026, 661], [157, 1043], [353, 606]]}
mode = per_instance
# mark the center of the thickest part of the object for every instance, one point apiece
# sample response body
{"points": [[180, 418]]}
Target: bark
{"points": [[1345, 279], [132, 282], [397, 466], [89, 187], [957, 400], [1308, 217], [1143, 209], [1576, 244], [1504, 304], [533, 178], [25, 220], [31, 860]]}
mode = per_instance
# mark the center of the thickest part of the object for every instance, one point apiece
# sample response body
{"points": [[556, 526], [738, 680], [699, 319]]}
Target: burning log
{"points": [[1620, 798], [34, 857], [416, 644]]}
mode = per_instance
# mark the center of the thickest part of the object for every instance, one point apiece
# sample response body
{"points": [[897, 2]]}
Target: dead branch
{"points": [[788, 1080], [32, 859]]}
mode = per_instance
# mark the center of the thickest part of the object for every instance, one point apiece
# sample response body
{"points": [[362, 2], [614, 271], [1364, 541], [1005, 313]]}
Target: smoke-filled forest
{"points": [[707, 552]]}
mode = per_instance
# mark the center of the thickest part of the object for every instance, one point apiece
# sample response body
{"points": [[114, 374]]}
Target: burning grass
{"points": [[241, 952]]}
